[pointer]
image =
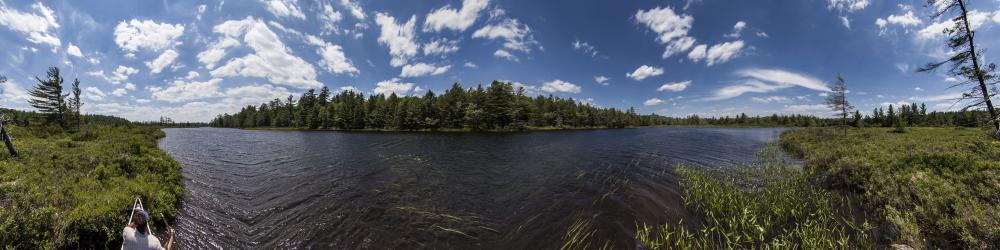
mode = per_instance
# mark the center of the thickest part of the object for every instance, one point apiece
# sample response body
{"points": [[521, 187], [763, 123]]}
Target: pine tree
{"points": [[76, 103], [48, 98], [837, 101], [967, 63]]}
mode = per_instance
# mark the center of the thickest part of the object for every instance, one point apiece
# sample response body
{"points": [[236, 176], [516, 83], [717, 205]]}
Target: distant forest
{"points": [[502, 107]]}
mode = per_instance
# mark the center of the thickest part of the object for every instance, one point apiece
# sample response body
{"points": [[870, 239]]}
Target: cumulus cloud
{"points": [[393, 86], [94, 94], [768, 80], [516, 36], [905, 20], [198, 111], [718, 53], [458, 20], [334, 59], [557, 85], [602, 80], [400, 38], [270, 59], [422, 69], [121, 74], [584, 47], [441, 46], [183, 91], [770, 99], [201, 10], [936, 30], [803, 108], [134, 35], [674, 86], [671, 28], [355, 9], [652, 102], [329, 19], [470, 65], [284, 8], [39, 26], [216, 51], [157, 65], [643, 72], [848, 5], [73, 50], [737, 29], [500, 53]]}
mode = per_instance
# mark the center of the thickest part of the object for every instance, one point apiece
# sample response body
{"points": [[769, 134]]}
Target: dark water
{"points": [[278, 189]]}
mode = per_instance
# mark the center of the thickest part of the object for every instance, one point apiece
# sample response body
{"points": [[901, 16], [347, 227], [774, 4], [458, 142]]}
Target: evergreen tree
{"points": [[967, 64], [837, 101], [48, 98], [76, 103]]}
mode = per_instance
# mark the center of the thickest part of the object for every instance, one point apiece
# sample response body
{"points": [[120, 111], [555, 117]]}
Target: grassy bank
{"points": [[73, 190], [769, 204], [929, 187], [442, 130]]}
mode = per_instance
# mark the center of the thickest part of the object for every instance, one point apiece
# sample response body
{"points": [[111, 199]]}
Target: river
{"points": [[249, 189]]}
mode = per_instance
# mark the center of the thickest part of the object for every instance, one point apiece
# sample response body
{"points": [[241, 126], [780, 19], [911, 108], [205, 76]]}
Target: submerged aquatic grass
{"points": [[769, 204]]}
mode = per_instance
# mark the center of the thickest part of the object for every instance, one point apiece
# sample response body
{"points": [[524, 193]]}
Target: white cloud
{"points": [[768, 80], [271, 58], [121, 74], [516, 36], [73, 50], [952, 97], [936, 30], [718, 53], [94, 94], [348, 88], [918, 89], [129, 86], [500, 53], [182, 91], [355, 9], [392, 86], [119, 92], [162, 61], [848, 5], [399, 38], [643, 72], [200, 111], [652, 102], [845, 21], [905, 20], [671, 28], [216, 51], [737, 29], [674, 86], [470, 65], [201, 10], [134, 35], [284, 8], [38, 27], [602, 80], [457, 20], [441, 46], [329, 18], [770, 99], [192, 75], [334, 59], [800, 108], [585, 47], [557, 85], [422, 69]]}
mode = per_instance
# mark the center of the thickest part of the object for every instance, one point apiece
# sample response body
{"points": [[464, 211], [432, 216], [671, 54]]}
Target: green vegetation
{"points": [[769, 204], [73, 189], [926, 187]]}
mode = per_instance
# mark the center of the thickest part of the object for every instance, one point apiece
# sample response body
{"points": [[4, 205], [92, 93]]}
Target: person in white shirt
{"points": [[136, 237]]}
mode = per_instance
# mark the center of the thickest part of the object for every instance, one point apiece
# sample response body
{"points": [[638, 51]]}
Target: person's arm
{"points": [[170, 240]]}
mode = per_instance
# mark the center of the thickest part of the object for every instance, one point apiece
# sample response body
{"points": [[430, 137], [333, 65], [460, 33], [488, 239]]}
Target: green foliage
{"points": [[928, 187], [72, 190], [499, 106], [770, 204], [48, 98]]}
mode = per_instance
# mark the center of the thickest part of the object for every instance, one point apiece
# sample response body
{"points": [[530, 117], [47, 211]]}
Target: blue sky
{"points": [[190, 60]]}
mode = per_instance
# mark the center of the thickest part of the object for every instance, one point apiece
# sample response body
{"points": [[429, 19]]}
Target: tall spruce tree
{"points": [[967, 64], [837, 101], [76, 103], [48, 98]]}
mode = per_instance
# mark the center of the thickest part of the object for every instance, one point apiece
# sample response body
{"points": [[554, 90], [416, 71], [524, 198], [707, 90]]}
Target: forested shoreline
{"points": [[501, 106]]}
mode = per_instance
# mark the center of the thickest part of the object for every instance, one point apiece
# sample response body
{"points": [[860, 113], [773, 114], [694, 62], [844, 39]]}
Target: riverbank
{"points": [[73, 190], [441, 130], [924, 188]]}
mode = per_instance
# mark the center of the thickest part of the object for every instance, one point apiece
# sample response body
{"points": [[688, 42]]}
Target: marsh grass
{"points": [[769, 204], [73, 190], [928, 187]]}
